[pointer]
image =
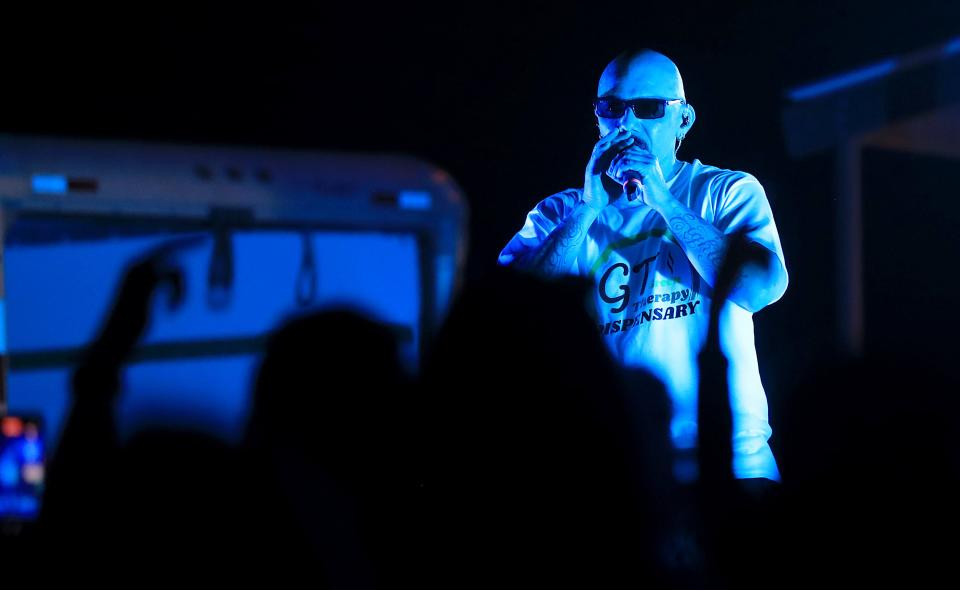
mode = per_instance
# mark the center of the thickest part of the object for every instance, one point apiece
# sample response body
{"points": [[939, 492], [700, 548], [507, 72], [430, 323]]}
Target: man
{"points": [[654, 253]]}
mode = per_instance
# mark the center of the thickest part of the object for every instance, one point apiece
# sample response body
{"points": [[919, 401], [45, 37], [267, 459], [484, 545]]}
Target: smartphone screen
{"points": [[22, 457]]}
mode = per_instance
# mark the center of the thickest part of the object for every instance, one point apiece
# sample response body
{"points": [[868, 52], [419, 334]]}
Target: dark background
{"points": [[497, 94]]}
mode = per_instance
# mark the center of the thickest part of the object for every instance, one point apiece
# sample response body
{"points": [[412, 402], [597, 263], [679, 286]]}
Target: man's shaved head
{"points": [[641, 73], [647, 74]]}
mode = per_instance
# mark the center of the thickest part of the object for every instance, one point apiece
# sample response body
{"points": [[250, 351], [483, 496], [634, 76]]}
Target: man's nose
{"points": [[628, 120]]}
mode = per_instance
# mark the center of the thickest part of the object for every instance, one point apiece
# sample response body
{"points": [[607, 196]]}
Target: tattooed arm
{"points": [[762, 281], [556, 254]]}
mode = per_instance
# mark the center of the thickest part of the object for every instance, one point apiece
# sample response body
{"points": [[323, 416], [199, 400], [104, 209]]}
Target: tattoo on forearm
{"points": [[707, 248], [569, 238], [705, 242], [555, 255]]}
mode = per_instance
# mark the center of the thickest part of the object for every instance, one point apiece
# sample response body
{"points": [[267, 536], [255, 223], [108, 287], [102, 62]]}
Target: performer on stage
{"points": [[651, 231]]}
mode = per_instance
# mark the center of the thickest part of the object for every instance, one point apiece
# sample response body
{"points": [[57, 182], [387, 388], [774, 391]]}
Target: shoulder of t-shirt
{"points": [[725, 177], [724, 182], [569, 196], [559, 204]]}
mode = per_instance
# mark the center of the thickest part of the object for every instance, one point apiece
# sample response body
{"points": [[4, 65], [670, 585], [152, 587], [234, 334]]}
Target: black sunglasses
{"points": [[643, 108]]}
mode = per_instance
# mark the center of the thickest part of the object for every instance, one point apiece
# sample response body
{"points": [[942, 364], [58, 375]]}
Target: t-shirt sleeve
{"points": [[744, 207], [540, 223]]}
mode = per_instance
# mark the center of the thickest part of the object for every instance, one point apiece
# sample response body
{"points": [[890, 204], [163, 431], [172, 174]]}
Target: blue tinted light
{"points": [[31, 452], [418, 200], [49, 184], [845, 80], [16, 504], [3, 326], [952, 46], [9, 471]]}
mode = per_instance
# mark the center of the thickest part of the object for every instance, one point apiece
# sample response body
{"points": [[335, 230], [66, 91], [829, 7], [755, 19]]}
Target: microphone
{"points": [[633, 184]]}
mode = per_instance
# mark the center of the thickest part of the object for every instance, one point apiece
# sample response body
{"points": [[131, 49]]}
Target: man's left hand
{"points": [[655, 192]]}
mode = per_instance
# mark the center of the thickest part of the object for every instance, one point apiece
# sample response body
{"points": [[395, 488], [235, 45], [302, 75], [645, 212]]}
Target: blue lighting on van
{"points": [[49, 184], [417, 200]]}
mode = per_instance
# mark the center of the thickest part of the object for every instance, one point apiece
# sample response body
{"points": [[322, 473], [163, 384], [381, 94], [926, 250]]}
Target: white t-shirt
{"points": [[652, 306]]}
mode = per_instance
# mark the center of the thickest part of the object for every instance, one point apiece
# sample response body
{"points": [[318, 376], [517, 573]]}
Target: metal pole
{"points": [[849, 247]]}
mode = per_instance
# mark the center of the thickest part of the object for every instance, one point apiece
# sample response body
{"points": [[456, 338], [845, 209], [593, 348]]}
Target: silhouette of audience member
{"points": [[166, 503], [524, 453], [535, 464], [332, 428]]}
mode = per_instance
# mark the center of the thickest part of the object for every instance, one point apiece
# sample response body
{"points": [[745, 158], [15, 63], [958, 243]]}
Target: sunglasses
{"points": [[643, 108]]}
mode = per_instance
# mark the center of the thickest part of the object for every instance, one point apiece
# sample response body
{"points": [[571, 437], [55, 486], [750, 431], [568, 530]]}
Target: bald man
{"points": [[651, 231]]}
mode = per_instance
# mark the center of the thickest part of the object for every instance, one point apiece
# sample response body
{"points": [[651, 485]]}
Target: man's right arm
{"points": [[556, 253], [558, 249]]}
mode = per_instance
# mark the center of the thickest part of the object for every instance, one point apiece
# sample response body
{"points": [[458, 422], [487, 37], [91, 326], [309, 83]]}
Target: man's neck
{"points": [[671, 168]]}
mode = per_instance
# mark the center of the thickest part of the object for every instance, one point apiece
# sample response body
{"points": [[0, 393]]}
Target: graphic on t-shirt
{"points": [[620, 283]]}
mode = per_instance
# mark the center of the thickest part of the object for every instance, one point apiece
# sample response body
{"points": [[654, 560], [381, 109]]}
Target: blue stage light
{"points": [[49, 184]]}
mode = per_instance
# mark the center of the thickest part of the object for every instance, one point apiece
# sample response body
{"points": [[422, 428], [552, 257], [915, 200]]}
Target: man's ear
{"points": [[689, 116]]}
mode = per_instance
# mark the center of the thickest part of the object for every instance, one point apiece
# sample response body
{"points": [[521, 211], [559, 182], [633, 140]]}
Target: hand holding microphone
{"points": [[599, 191], [638, 171], [633, 185]]}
